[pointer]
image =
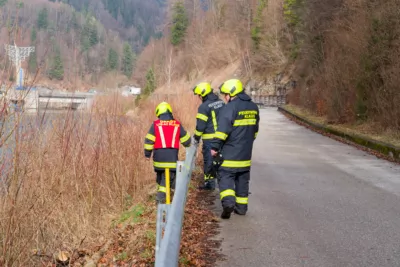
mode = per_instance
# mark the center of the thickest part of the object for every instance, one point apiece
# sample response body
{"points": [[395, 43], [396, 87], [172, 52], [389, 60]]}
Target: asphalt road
{"points": [[314, 202]]}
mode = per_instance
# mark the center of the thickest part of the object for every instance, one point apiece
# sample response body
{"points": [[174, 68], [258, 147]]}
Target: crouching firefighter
{"points": [[237, 129], [206, 125], [163, 140]]}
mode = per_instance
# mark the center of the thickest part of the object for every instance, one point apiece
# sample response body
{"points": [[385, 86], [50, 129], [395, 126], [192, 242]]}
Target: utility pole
{"points": [[17, 55]]}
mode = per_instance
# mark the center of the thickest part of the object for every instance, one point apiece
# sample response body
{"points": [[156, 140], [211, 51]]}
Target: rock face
{"points": [[260, 87], [269, 86]]}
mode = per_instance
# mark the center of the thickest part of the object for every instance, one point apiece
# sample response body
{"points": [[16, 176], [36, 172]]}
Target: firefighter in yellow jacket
{"points": [[163, 140]]}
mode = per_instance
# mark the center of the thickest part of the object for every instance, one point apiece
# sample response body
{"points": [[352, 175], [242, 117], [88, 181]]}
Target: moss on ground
{"points": [[385, 144], [365, 130]]}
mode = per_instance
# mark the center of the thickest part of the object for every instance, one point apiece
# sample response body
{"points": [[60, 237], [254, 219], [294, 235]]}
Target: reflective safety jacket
{"points": [[207, 117], [163, 140], [167, 134], [237, 129]]}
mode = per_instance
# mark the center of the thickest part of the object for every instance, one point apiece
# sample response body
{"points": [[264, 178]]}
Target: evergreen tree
{"points": [[180, 23], [32, 62], [57, 68], [74, 21], [3, 2], [150, 82], [127, 60], [89, 35], [258, 22], [112, 62], [113, 7], [43, 19], [93, 33], [33, 35]]}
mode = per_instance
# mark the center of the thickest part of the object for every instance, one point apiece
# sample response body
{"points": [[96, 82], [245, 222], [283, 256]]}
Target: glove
{"points": [[195, 140], [217, 161]]}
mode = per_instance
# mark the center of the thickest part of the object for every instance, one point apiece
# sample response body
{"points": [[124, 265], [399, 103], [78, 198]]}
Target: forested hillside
{"points": [[77, 42], [342, 54], [136, 20], [207, 36], [74, 186], [345, 55]]}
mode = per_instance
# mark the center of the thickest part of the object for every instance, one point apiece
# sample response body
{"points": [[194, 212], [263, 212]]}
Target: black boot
{"points": [[160, 198], [239, 212], [209, 186], [226, 213], [160, 201]]}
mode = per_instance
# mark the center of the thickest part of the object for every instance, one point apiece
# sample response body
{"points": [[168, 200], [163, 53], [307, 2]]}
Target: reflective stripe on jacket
{"points": [[207, 117], [166, 133], [164, 157]]}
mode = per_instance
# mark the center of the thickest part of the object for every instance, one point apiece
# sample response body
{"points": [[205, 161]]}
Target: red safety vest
{"points": [[167, 134]]}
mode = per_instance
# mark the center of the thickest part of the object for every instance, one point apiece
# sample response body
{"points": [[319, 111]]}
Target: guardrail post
{"points": [[163, 209], [159, 229], [162, 213], [167, 186], [162, 216], [168, 254]]}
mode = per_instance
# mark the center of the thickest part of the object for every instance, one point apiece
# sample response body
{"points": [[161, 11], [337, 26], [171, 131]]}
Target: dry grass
{"points": [[366, 129], [71, 177], [67, 182]]}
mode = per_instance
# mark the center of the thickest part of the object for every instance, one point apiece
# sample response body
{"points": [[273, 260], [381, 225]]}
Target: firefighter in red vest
{"points": [[163, 140]]}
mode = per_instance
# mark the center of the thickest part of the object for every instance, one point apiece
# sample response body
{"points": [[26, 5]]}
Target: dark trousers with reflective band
{"points": [[160, 178], [207, 158], [234, 188]]}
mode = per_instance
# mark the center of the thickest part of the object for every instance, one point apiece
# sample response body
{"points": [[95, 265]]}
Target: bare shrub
{"points": [[348, 61], [72, 174]]}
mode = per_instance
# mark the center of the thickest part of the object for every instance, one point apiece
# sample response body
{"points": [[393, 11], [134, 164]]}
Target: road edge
{"points": [[379, 149]]}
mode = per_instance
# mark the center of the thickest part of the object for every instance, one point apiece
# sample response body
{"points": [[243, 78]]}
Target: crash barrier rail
{"points": [[269, 100], [170, 216]]}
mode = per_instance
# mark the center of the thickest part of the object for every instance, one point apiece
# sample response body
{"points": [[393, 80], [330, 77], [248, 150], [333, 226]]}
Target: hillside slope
{"points": [[345, 55], [75, 48], [136, 21], [340, 56]]}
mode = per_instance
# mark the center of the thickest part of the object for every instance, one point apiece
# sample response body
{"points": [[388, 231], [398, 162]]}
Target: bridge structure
{"points": [[63, 100], [271, 100], [40, 99]]}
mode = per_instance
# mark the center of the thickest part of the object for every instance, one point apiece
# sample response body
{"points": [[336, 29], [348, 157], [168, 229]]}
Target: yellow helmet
{"points": [[162, 108], [202, 89], [231, 87]]}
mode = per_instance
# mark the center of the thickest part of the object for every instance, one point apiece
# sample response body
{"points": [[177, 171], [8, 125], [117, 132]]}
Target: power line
{"points": [[17, 55]]}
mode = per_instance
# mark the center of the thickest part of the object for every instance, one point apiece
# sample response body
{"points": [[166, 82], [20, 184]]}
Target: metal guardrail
{"points": [[270, 100], [170, 217]]}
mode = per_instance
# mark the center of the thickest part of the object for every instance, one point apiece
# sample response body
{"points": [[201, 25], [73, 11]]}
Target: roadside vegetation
{"points": [[67, 182], [345, 62], [368, 130], [78, 184]]}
